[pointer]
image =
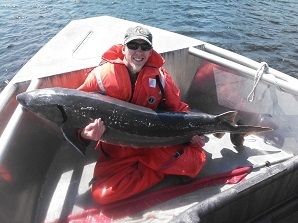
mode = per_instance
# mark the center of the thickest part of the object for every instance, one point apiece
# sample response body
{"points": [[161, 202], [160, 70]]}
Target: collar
{"points": [[115, 55]]}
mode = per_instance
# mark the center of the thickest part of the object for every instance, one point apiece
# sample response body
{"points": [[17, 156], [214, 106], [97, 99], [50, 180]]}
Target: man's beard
{"points": [[136, 68]]}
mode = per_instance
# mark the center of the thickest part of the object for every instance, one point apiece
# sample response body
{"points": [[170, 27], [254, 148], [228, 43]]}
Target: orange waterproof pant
{"points": [[121, 172]]}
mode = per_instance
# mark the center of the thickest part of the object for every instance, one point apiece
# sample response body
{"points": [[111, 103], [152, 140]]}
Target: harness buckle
{"points": [[177, 155]]}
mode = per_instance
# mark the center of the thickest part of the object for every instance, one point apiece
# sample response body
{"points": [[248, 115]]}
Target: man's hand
{"points": [[94, 130], [198, 140]]}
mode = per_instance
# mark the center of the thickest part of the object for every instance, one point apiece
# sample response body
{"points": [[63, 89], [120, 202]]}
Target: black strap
{"points": [[93, 180], [178, 153], [103, 151], [161, 88]]}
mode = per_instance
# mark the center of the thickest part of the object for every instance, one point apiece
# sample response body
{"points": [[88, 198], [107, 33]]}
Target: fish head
{"points": [[43, 102]]}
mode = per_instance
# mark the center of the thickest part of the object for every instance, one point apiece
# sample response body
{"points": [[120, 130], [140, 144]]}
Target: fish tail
{"points": [[230, 116], [237, 137], [250, 129]]}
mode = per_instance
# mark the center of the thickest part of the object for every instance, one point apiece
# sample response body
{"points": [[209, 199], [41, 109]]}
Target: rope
{"points": [[260, 72]]}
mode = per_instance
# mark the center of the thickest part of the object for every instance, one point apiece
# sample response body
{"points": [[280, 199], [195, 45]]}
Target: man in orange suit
{"points": [[133, 72]]}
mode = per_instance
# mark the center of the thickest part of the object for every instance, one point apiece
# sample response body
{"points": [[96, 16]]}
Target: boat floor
{"points": [[66, 190]]}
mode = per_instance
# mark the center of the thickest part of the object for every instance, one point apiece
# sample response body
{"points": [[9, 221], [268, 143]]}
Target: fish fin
{"points": [[71, 135], [227, 116], [237, 139], [219, 135]]}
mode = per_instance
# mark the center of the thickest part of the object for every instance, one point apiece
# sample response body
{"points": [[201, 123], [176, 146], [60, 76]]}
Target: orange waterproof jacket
{"points": [[112, 77]]}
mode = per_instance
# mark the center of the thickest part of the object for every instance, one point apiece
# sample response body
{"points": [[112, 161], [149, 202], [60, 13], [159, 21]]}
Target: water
{"points": [[261, 30]]}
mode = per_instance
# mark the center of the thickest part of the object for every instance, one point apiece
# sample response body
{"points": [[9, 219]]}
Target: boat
{"points": [[43, 179]]}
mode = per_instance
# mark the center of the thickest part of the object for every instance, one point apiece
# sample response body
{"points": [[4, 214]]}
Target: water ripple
{"points": [[261, 30]]}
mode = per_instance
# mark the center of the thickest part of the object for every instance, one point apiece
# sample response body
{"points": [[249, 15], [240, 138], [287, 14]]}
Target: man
{"points": [[133, 72]]}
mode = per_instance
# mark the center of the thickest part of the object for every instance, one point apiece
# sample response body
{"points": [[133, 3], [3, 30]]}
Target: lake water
{"points": [[261, 30]]}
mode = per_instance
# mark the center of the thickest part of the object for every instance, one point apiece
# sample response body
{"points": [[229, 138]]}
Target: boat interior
{"points": [[43, 178]]}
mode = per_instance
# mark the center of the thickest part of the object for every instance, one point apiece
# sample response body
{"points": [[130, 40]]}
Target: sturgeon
{"points": [[126, 124]]}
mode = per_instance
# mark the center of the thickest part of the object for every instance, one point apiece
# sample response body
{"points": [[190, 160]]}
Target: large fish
{"points": [[126, 124]]}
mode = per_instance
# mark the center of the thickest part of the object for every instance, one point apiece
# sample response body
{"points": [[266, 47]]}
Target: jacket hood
{"points": [[115, 55]]}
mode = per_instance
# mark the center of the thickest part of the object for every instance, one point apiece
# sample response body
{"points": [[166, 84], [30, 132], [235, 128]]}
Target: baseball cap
{"points": [[138, 32]]}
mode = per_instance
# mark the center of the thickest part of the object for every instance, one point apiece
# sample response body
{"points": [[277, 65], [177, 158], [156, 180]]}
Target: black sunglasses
{"points": [[135, 46]]}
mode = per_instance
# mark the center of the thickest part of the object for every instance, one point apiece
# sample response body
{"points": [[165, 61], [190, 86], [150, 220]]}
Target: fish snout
{"points": [[23, 98]]}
